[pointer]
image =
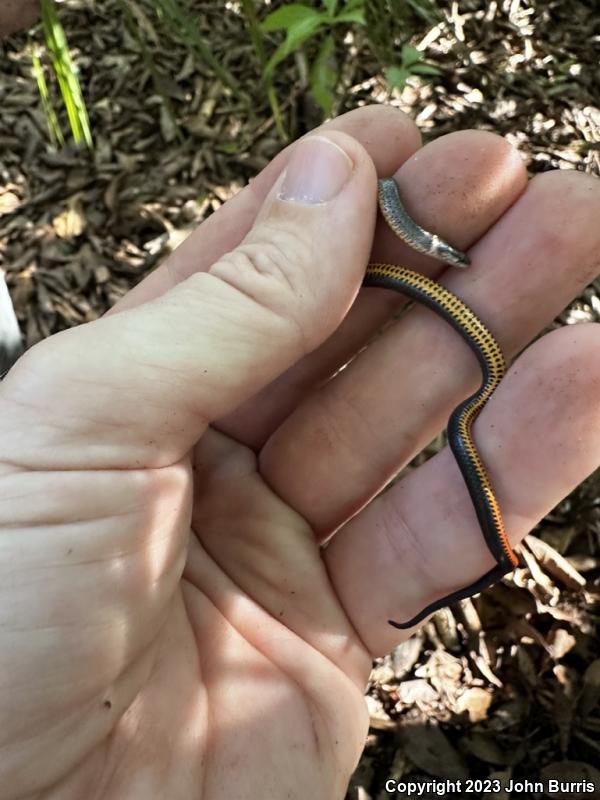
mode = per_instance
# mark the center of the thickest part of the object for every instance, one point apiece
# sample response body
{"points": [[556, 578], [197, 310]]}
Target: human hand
{"points": [[16, 15], [169, 624]]}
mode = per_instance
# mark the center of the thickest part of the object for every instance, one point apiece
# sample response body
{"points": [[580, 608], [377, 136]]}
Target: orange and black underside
{"points": [[440, 300]]}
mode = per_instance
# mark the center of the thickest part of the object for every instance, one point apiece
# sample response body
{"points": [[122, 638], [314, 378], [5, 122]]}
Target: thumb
{"points": [[143, 384]]}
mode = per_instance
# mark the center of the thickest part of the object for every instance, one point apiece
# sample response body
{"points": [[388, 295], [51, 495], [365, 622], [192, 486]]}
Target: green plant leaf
{"points": [[323, 75], [287, 17], [424, 69], [410, 55], [354, 5], [330, 7], [54, 130], [397, 76], [296, 35], [356, 15], [228, 147]]}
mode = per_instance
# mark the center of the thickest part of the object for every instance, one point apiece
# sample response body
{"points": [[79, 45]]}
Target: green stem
{"points": [[257, 39]]}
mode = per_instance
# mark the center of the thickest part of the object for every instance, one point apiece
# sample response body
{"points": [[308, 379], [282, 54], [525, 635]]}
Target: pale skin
{"points": [[15, 15], [169, 626]]}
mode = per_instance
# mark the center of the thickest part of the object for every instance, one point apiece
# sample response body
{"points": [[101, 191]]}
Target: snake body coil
{"points": [[489, 354]]}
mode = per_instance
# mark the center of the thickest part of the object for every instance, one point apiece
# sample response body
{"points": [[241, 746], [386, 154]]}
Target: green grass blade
{"points": [[56, 41], [54, 131]]}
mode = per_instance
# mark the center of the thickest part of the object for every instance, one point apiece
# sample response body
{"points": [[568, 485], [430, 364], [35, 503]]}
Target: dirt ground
{"points": [[507, 684]]}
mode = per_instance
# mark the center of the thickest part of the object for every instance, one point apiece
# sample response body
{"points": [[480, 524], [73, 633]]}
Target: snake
{"points": [[455, 312]]}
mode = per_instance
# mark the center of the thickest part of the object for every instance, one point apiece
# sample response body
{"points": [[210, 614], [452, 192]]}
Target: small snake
{"points": [[426, 291]]}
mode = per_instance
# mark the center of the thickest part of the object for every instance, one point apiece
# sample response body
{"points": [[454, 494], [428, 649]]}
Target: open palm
{"points": [[169, 623]]}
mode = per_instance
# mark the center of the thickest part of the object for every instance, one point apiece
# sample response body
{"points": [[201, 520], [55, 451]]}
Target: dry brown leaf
{"points": [[557, 565], [476, 702], [418, 693], [471, 619], [382, 672], [539, 583], [9, 202], [576, 617], [378, 717], [502, 777], [527, 667], [560, 642], [429, 749], [590, 694], [406, 655], [485, 747], [71, 222], [441, 668], [445, 624], [570, 772], [483, 666]]}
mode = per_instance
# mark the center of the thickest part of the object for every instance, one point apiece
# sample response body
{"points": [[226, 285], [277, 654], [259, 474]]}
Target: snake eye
{"points": [[453, 256]]}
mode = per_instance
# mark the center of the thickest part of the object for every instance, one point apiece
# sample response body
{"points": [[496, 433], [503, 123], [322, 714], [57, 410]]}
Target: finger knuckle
{"points": [[271, 272]]}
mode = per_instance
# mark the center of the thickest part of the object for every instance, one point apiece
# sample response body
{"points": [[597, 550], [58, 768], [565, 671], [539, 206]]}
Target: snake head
{"points": [[450, 255]]}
